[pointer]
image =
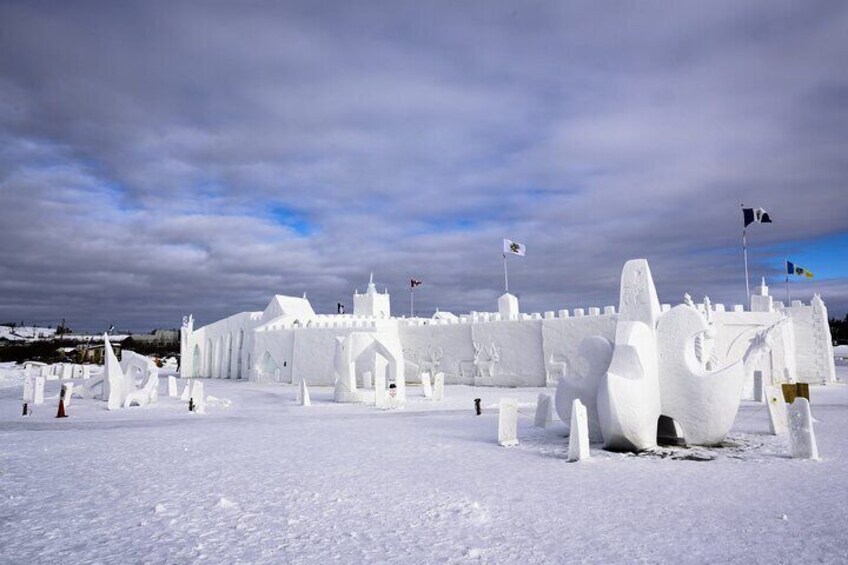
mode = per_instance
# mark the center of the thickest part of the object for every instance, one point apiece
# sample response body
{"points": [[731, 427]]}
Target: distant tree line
{"points": [[839, 330]]}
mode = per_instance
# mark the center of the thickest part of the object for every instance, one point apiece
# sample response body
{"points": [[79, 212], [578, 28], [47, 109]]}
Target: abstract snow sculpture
{"points": [[425, 385], [778, 422], [597, 352], [172, 386], [186, 394], [578, 437], [704, 403], [801, 434], [113, 378], [629, 393], [508, 422], [303, 394], [147, 394]]}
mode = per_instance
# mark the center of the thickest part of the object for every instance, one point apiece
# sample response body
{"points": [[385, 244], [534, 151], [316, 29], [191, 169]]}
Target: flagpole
{"points": [[745, 254], [411, 301], [506, 276], [786, 271]]}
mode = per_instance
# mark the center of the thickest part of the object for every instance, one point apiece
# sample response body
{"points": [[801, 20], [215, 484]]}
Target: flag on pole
{"points": [[793, 269], [413, 283], [513, 247], [751, 215]]}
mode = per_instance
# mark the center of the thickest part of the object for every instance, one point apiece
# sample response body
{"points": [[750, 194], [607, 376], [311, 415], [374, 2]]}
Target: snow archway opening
{"points": [[669, 432]]}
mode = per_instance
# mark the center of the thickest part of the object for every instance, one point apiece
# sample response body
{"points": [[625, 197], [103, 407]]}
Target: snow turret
{"points": [[372, 304]]}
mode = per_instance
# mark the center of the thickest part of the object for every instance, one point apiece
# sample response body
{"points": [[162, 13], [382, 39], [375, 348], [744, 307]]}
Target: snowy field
{"points": [[266, 481]]}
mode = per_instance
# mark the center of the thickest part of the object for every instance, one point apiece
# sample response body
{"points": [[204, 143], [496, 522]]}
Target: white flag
{"points": [[513, 247]]}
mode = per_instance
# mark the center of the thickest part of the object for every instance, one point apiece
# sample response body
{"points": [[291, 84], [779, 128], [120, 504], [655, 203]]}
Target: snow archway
{"points": [[353, 347], [207, 370], [268, 368]]}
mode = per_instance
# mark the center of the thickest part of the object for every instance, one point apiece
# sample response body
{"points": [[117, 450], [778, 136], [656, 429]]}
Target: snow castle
{"points": [[288, 342]]}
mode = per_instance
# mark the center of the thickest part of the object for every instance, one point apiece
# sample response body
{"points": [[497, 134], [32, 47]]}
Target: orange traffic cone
{"points": [[61, 413]]}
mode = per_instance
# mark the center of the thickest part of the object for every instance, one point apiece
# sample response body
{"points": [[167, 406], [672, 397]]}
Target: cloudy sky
{"points": [[159, 158]]}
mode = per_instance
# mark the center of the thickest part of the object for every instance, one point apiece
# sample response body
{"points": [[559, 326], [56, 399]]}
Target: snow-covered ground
{"points": [[25, 333], [267, 481]]}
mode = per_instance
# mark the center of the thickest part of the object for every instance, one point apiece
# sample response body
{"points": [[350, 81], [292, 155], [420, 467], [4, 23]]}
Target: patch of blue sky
{"points": [[826, 257], [293, 219]]}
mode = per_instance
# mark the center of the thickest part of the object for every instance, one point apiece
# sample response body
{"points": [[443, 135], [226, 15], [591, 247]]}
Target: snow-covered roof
{"points": [[280, 305], [444, 316]]}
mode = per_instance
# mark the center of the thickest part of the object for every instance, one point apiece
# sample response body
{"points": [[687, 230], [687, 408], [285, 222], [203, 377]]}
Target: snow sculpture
{"points": [[38, 394], [113, 378], [508, 422], [578, 437], [629, 393], [597, 352], [147, 394], [439, 387], [303, 394], [801, 434], [172, 386], [544, 411], [425, 385], [485, 362], [198, 397], [778, 423], [703, 402]]}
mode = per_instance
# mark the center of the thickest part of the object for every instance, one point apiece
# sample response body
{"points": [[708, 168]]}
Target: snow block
{"points": [[801, 434], [69, 390], [186, 394], [508, 422], [439, 387], [578, 437], [544, 411], [303, 394], [198, 397], [29, 389], [38, 393], [425, 385], [778, 424], [172, 386]]}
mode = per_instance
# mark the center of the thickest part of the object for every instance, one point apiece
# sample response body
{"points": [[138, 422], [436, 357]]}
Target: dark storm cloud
{"points": [[160, 158]]}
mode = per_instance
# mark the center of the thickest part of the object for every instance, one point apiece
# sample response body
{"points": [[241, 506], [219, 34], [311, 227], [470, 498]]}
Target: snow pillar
{"points": [[578, 438], [801, 434], [508, 422]]}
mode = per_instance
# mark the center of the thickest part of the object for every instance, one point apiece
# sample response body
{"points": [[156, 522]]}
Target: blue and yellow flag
{"points": [[793, 269]]}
